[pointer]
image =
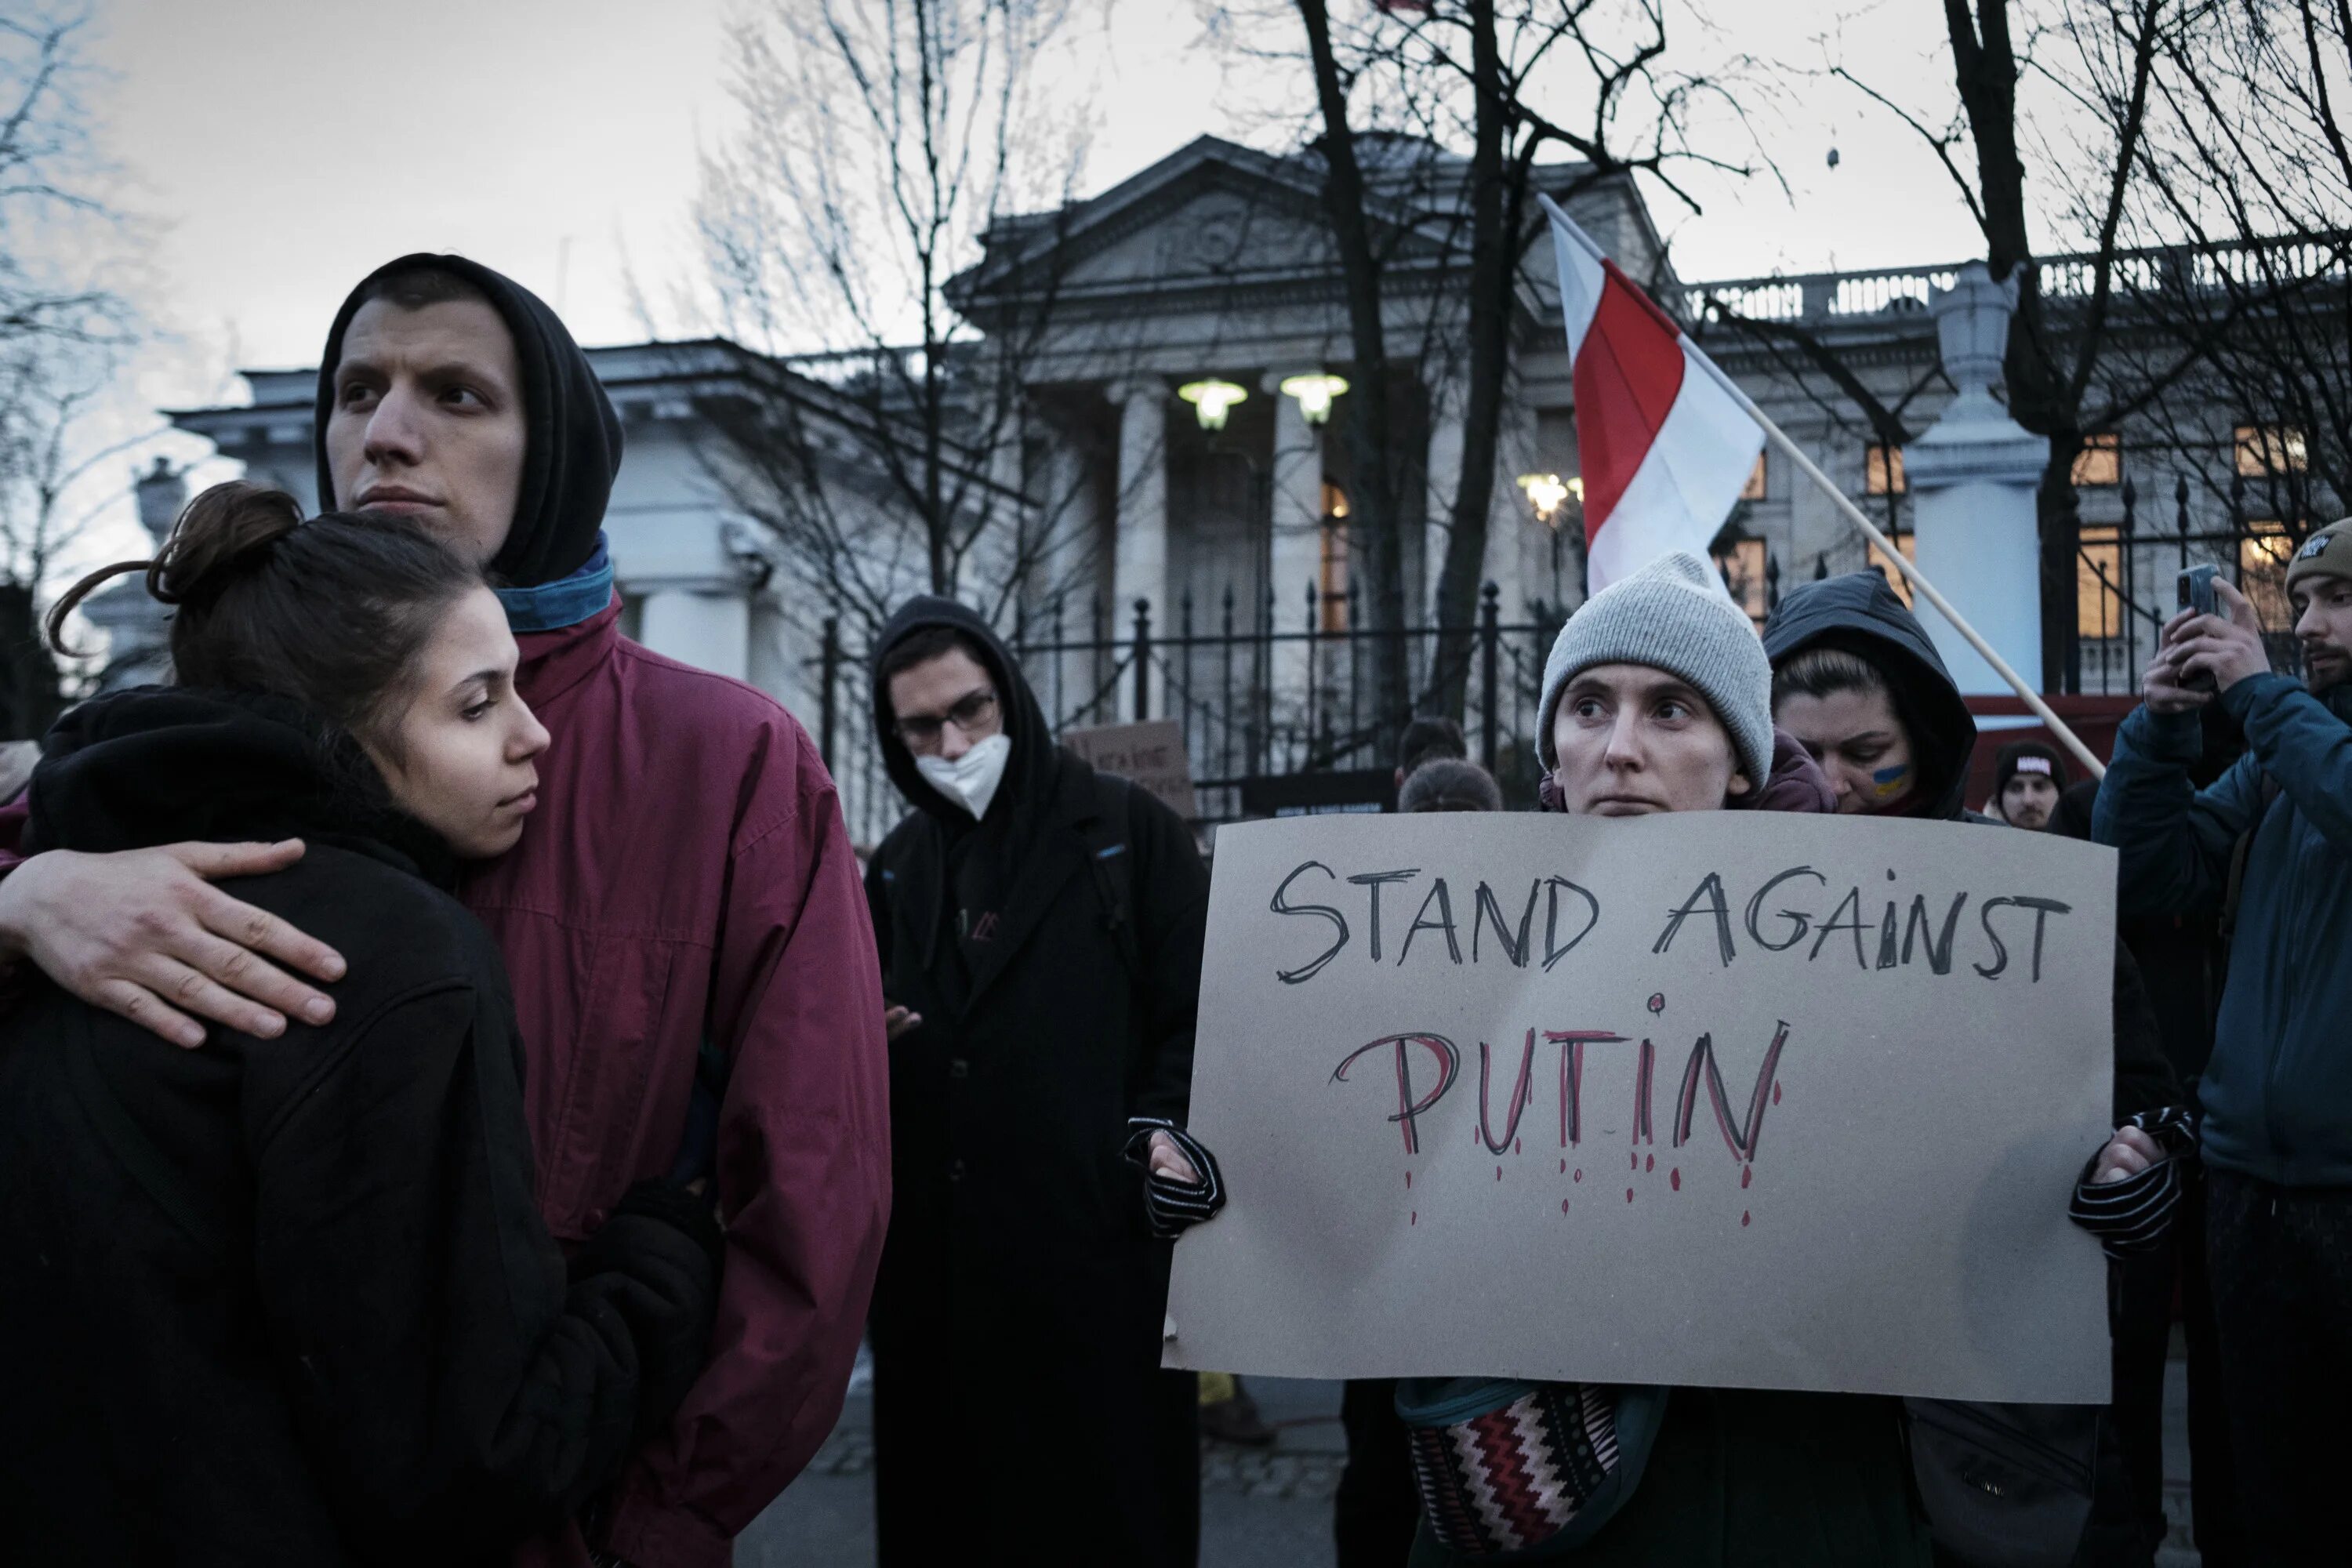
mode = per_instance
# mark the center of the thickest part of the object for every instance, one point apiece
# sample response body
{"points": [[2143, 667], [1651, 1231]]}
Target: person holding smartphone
{"points": [[2269, 846]]}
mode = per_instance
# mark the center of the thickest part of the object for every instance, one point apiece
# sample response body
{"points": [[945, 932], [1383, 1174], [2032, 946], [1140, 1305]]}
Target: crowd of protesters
{"points": [[544, 1115]]}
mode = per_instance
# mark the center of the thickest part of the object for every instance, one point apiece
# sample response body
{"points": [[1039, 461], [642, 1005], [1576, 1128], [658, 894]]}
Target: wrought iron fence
{"points": [[1256, 693], [2126, 576]]}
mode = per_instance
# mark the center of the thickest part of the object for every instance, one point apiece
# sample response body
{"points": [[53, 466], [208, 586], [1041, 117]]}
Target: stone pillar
{"points": [[1972, 478], [709, 629], [1140, 566], [1296, 557]]}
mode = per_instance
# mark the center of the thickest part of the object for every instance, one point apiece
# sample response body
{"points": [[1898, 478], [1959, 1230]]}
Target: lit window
{"points": [[2261, 569], [1882, 471], [1754, 489], [1332, 583], [2266, 449], [1335, 501], [1743, 572], [2101, 460], [1906, 543], [2098, 583]]}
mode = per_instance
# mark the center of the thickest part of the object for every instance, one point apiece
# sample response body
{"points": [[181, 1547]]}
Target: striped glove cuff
{"points": [[2132, 1215], [1172, 1208]]}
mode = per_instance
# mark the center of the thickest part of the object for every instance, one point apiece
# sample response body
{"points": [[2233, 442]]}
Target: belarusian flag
{"points": [[1664, 447]]}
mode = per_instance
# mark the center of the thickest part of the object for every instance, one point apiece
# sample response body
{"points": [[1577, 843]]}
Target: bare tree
{"points": [[63, 326], [884, 142], [1487, 72]]}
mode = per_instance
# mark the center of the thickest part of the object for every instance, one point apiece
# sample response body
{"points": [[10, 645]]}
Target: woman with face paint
{"points": [[1857, 681]]}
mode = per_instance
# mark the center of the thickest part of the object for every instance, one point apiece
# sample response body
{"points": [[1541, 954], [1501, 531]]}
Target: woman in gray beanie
{"points": [[1658, 697]]}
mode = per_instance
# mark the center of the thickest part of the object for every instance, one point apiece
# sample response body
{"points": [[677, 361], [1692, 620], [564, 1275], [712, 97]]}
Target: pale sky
{"points": [[289, 146]]}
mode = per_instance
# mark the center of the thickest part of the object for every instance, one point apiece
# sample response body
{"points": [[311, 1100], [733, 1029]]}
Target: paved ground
{"points": [[1259, 1508]]}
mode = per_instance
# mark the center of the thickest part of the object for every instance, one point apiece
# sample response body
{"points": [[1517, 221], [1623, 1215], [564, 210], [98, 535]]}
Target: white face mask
{"points": [[972, 779]]}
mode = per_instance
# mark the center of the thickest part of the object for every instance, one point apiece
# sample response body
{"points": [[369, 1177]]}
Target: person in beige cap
{"points": [[2268, 847]]}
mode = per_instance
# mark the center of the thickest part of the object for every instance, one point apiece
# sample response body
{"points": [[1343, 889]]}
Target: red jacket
{"points": [[687, 874]]}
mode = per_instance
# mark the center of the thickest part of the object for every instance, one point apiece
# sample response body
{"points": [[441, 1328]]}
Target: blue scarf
{"points": [[567, 601]]}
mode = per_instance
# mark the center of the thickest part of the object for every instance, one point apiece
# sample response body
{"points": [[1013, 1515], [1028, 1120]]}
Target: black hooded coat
{"points": [[574, 437], [288, 1303], [1861, 615], [1053, 951]]}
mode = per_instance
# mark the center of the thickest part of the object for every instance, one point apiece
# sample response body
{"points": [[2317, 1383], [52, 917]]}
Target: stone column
{"points": [[709, 628], [1140, 566], [1973, 478], [1296, 557]]}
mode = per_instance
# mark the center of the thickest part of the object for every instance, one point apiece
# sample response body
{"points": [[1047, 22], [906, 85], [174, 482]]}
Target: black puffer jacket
{"points": [[288, 1302]]}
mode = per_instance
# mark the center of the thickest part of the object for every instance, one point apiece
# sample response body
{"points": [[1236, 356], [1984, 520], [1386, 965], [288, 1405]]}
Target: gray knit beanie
{"points": [[1673, 614]]}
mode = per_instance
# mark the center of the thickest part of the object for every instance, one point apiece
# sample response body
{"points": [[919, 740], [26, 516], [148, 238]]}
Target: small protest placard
{"points": [[1151, 754], [1721, 1099]]}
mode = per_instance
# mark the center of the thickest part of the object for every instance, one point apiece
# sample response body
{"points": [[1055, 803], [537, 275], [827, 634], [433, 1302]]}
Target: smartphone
{"points": [[2195, 592]]}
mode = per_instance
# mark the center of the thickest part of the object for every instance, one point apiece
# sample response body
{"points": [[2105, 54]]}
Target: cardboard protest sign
{"points": [[1720, 1098], [1151, 754]]}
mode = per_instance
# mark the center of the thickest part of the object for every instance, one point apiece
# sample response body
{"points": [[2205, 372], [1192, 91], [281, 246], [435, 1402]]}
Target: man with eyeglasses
{"points": [[1040, 928]]}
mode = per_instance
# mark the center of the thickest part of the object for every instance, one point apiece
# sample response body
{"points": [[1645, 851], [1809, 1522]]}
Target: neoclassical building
{"points": [[1176, 347]]}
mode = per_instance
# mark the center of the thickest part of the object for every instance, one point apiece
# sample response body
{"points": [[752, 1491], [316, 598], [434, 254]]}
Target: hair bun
{"points": [[223, 530]]}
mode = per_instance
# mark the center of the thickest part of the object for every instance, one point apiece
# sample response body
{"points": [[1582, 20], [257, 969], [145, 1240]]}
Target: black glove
{"points": [[2133, 1215], [1170, 1206]]}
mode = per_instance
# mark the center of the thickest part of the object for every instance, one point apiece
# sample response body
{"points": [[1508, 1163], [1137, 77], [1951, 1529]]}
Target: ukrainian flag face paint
{"points": [[1889, 784]]}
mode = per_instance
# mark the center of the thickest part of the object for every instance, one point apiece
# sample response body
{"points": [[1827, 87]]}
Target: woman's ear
{"points": [[1739, 785]]}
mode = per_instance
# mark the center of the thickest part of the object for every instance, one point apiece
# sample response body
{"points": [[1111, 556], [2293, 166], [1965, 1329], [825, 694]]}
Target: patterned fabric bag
{"points": [[1513, 1471]]}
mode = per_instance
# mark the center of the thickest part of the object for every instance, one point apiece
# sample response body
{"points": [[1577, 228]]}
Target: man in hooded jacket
{"points": [[690, 970], [1833, 645], [1040, 925]]}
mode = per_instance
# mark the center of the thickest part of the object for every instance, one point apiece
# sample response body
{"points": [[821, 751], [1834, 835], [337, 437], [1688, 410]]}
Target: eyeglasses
{"points": [[972, 712]]}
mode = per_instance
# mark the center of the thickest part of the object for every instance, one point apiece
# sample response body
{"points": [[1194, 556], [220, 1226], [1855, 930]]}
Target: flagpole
{"points": [[1855, 514]]}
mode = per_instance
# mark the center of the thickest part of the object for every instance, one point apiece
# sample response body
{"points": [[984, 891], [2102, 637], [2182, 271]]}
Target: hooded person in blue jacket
{"points": [[2277, 1092]]}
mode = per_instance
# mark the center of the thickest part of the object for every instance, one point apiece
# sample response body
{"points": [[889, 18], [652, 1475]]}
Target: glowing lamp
{"points": [[1548, 492], [1315, 393], [1212, 400]]}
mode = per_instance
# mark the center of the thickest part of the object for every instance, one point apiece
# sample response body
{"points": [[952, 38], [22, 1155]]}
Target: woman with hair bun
{"points": [[289, 1300]]}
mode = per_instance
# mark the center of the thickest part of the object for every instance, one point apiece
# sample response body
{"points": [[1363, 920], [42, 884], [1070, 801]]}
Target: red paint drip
{"points": [[1499, 1173], [1653, 1163], [1408, 1181], [1563, 1167], [1747, 1175], [1580, 1175], [1743, 1217], [1675, 1176], [1415, 1219], [1629, 1195], [1563, 1206], [1637, 1161], [1515, 1146], [1776, 1091]]}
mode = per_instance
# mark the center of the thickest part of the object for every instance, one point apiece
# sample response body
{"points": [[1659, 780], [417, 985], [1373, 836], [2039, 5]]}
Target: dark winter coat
{"points": [[290, 1301], [2277, 1091], [1020, 1413]]}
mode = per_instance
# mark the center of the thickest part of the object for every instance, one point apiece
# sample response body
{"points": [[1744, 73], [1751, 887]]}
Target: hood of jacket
{"points": [[1860, 614], [1028, 772], [573, 447], [168, 764]]}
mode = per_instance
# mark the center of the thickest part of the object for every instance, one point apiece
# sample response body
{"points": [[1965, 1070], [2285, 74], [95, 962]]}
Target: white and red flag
{"points": [[1665, 447]]}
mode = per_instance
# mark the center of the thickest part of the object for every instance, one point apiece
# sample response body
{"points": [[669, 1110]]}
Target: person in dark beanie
{"points": [[1429, 739], [2268, 848], [286, 1301], [1040, 927], [690, 962], [1858, 681], [1450, 783], [2028, 777]]}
